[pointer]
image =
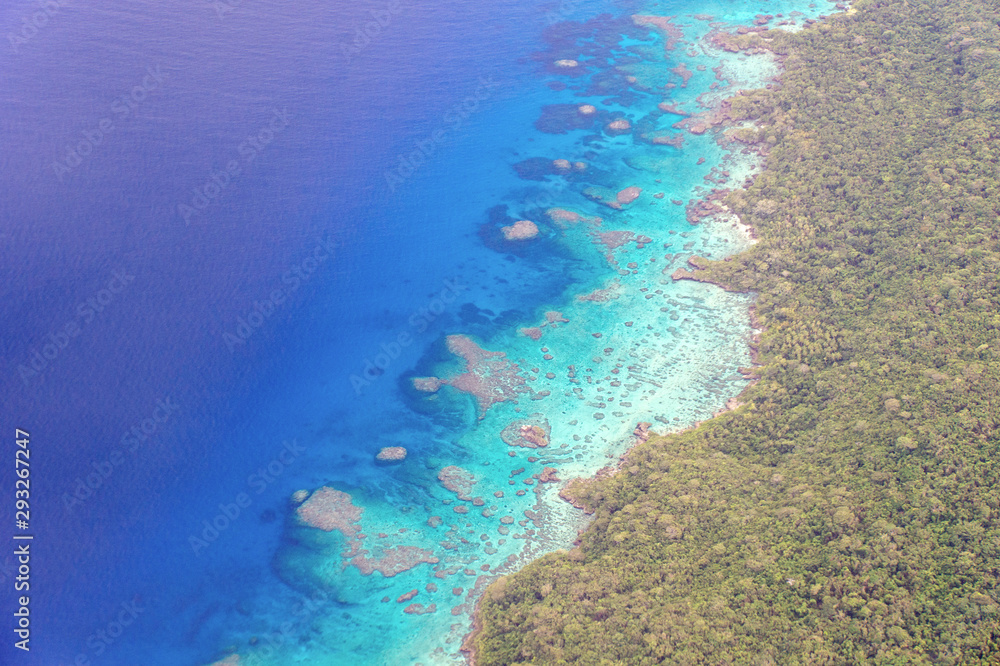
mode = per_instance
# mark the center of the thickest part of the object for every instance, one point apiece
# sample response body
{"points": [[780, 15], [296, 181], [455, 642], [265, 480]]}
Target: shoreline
{"points": [[721, 123], [756, 536], [691, 387]]}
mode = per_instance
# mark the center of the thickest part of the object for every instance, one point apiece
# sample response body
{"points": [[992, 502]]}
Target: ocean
{"points": [[248, 244]]}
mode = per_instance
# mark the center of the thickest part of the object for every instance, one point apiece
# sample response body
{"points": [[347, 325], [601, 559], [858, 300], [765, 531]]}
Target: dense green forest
{"points": [[849, 511]]}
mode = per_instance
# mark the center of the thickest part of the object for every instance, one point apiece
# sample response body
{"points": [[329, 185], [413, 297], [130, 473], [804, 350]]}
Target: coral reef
{"points": [[612, 199], [457, 480], [427, 384], [613, 239], [328, 509], [540, 168], [488, 376], [562, 118], [619, 126], [565, 218], [552, 320], [548, 475], [699, 209], [530, 433], [418, 609], [662, 24], [641, 431], [628, 195], [331, 510], [675, 140], [672, 108], [533, 332], [520, 230], [393, 560], [682, 71], [391, 454], [611, 292], [534, 168]]}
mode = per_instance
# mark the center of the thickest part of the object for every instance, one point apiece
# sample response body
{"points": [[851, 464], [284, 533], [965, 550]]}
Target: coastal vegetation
{"points": [[848, 512]]}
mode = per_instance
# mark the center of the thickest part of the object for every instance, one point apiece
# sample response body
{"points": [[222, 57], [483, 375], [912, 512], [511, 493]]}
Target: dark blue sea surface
{"points": [[232, 233]]}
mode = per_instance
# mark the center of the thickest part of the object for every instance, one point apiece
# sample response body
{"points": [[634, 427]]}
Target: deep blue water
{"points": [[221, 77], [205, 233]]}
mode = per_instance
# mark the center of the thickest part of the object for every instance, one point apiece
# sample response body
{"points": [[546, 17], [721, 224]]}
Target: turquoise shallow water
{"points": [[627, 344], [376, 215]]}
